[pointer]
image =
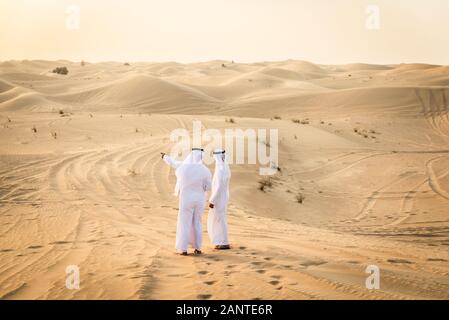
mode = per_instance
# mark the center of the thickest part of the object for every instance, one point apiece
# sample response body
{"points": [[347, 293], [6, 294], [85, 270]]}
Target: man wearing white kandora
{"points": [[217, 225], [193, 180]]}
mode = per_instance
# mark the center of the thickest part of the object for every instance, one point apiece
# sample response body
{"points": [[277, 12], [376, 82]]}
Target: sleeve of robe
{"points": [[172, 162], [208, 181], [220, 189]]}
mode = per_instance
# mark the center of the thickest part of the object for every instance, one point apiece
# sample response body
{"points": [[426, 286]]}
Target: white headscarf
{"points": [[193, 160], [221, 164]]}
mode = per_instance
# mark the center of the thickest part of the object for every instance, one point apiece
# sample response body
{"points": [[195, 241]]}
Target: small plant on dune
{"points": [[54, 135], [356, 130], [126, 64], [230, 120], [9, 120], [296, 121], [265, 183], [61, 70], [34, 129], [266, 143], [277, 117], [300, 198], [83, 63], [305, 121], [223, 65]]}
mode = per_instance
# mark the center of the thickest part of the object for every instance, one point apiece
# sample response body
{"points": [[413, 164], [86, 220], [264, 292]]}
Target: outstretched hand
{"points": [[162, 155], [211, 205]]}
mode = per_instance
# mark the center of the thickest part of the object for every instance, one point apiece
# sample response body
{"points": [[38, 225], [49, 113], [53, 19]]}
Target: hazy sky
{"points": [[321, 31]]}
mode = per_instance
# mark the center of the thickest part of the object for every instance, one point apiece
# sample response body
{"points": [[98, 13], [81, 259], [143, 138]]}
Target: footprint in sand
{"points": [[209, 283], [256, 263], [276, 277], [204, 296], [274, 282], [399, 261], [202, 272], [267, 258], [242, 248], [313, 263], [436, 259], [60, 242], [34, 247], [6, 250], [261, 271]]}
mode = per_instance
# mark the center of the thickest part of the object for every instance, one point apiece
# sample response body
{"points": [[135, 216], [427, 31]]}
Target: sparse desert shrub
{"points": [[266, 143], [277, 117], [230, 120], [126, 64], [296, 121], [265, 183], [83, 63], [300, 198], [322, 122], [365, 136], [61, 70], [54, 135], [305, 121], [356, 130], [34, 129], [223, 65]]}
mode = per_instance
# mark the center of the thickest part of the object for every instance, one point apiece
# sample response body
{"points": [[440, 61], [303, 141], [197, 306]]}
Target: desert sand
{"points": [[82, 182]]}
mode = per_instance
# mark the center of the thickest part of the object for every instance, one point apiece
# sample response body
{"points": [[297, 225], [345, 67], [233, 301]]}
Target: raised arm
{"points": [[170, 161]]}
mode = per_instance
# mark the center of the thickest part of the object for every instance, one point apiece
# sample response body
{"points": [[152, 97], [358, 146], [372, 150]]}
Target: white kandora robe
{"points": [[217, 225], [193, 180]]}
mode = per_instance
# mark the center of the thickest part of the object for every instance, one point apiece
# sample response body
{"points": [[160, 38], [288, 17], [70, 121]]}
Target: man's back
{"points": [[195, 180]]}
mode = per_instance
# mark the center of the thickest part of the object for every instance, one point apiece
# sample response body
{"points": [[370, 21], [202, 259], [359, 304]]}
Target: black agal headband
{"points": [[219, 152], [198, 149]]}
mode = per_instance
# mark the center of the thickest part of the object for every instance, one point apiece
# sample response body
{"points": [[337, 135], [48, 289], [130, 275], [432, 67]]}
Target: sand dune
{"points": [[82, 183]]}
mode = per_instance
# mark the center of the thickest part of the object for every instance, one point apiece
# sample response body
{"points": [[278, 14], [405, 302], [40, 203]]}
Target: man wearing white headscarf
{"points": [[193, 180], [217, 225]]}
